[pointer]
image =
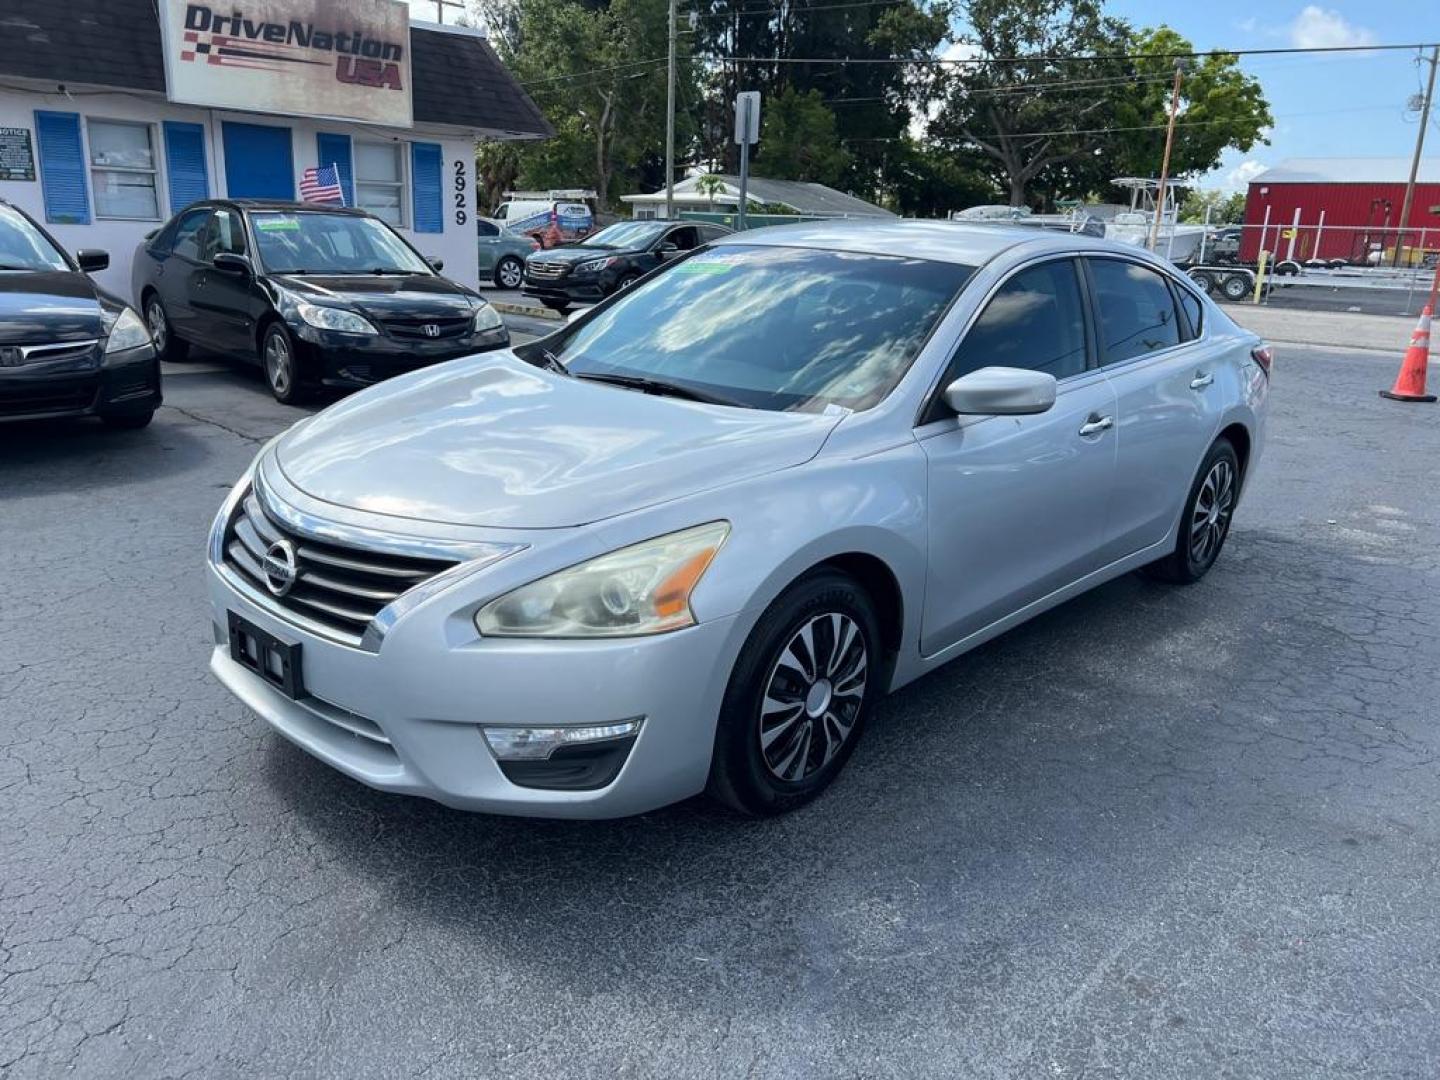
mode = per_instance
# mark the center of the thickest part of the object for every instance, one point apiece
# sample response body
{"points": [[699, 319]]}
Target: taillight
{"points": [[1262, 355]]}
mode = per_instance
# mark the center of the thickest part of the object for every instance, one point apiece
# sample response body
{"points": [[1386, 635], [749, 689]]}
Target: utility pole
{"points": [[1165, 163], [1415, 161], [670, 124]]}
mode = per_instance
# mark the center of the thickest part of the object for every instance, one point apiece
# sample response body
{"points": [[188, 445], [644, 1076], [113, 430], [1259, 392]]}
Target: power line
{"points": [[930, 61], [749, 12], [596, 71]]}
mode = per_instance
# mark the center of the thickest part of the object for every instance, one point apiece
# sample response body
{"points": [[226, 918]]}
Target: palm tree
{"points": [[710, 185]]}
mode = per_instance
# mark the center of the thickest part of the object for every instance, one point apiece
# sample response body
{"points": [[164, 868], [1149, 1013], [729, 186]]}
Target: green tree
{"points": [[1224, 209], [798, 140]]}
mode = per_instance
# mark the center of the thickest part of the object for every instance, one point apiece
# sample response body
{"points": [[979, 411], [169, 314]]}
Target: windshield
{"points": [[312, 242], [772, 327], [625, 234], [24, 247]]}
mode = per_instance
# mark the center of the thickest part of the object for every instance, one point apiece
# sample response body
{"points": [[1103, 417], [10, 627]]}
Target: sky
{"points": [[1340, 105]]}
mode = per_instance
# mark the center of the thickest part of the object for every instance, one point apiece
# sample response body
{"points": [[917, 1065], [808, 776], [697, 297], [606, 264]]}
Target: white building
{"points": [[115, 114], [801, 197]]}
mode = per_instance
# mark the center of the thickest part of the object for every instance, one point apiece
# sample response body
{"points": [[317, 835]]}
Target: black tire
{"points": [[559, 306], [1194, 555], [624, 283], [281, 366], [1204, 282], [803, 752], [509, 272], [127, 421], [1235, 286], [167, 345]]}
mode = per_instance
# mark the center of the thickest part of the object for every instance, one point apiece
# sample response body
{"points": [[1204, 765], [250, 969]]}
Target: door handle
{"points": [[1201, 380], [1096, 424]]}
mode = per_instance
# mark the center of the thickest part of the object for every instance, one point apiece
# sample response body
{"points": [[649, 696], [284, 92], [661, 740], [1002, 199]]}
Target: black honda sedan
{"points": [[316, 295], [609, 260], [67, 347]]}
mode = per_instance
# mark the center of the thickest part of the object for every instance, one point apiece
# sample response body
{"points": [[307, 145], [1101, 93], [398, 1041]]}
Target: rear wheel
{"points": [[1206, 520], [1204, 281], [282, 371], [798, 698], [1235, 286], [167, 345], [509, 272]]}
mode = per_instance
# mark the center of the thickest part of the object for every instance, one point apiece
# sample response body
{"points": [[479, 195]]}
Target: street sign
{"points": [[747, 117]]}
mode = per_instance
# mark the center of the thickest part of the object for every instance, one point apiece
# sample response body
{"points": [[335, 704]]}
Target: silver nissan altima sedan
{"points": [[688, 541]]}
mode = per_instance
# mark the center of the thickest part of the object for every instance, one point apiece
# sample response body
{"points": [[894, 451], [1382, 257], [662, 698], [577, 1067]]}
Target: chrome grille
{"points": [[545, 271], [338, 588], [48, 352], [414, 329]]}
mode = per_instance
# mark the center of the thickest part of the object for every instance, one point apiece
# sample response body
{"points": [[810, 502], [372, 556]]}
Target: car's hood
{"points": [[385, 296], [49, 305], [490, 440], [582, 254]]}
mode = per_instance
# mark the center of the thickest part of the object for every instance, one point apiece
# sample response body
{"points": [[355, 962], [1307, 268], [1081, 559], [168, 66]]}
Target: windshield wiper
{"points": [[552, 362], [15, 266], [388, 270], [648, 385]]}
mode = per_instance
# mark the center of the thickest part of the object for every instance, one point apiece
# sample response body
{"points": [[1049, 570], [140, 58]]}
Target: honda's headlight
{"points": [[591, 265], [486, 318], [642, 589], [332, 318], [128, 331]]}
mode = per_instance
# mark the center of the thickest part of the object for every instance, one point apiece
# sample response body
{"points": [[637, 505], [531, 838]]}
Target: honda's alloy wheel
{"points": [[167, 345], [282, 371]]}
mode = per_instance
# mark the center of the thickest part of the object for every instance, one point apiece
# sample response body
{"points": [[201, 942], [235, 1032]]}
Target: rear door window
{"points": [[1193, 309], [1134, 309]]}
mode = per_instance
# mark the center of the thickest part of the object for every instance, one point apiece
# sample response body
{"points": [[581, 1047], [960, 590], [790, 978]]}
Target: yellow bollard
{"points": [[1260, 275]]}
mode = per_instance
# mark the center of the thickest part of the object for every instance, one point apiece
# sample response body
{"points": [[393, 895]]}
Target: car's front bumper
{"points": [[346, 360], [408, 716], [117, 384], [586, 288]]}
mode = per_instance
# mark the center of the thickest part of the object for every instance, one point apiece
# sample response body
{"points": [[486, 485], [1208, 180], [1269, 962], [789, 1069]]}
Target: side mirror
{"points": [[230, 263], [92, 259], [668, 250], [1001, 391], [435, 264]]}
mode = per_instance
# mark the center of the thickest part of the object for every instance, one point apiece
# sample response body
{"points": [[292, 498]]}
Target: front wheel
{"points": [[167, 345], [797, 702], [1235, 287], [509, 272], [282, 371], [1206, 520], [560, 307], [1204, 282]]}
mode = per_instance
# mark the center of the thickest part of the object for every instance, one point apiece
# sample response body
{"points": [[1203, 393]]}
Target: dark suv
{"points": [[609, 260], [314, 294], [67, 347]]}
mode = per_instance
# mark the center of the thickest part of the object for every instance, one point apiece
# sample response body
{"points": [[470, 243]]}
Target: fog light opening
{"points": [[538, 743], [563, 758]]}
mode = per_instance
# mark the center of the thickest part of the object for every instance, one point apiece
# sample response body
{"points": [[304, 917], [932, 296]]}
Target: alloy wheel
{"points": [[813, 696], [155, 319], [1210, 517], [511, 274], [279, 368]]}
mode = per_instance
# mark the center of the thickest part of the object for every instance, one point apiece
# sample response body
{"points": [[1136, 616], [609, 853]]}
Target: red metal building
{"points": [[1347, 207]]}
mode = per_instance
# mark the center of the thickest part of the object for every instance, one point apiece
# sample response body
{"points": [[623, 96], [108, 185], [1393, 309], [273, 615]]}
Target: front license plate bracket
{"points": [[275, 661]]}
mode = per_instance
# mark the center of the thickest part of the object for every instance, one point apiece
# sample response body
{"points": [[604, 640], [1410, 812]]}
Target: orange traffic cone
{"points": [[1410, 383]]}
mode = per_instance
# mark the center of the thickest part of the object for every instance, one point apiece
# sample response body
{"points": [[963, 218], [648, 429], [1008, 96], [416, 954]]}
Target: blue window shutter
{"points": [[259, 162], [187, 173], [335, 150], [62, 168], [425, 183]]}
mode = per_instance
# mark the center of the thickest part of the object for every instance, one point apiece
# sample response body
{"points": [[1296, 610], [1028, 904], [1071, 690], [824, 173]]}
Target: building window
{"points": [[380, 180], [646, 213], [122, 170]]}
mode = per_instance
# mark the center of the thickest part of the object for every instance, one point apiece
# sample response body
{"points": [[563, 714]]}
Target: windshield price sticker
{"points": [[277, 224], [707, 264]]}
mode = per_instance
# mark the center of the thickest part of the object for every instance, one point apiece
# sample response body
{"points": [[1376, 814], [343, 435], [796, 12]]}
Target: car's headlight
{"points": [[642, 589], [486, 318], [128, 331], [332, 318], [589, 266]]}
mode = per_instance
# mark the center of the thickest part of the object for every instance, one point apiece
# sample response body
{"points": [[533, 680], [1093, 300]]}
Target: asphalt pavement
{"points": [[1156, 833]]}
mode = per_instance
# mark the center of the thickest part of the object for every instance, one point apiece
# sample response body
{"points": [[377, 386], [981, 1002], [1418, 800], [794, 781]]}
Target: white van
{"points": [[571, 210]]}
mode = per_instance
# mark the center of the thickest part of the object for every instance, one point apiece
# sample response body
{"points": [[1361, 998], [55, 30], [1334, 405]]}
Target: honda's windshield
{"points": [[625, 234], [24, 247], [314, 242], [771, 327]]}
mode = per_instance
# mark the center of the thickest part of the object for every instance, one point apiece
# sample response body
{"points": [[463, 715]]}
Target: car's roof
{"points": [[290, 205], [963, 243]]}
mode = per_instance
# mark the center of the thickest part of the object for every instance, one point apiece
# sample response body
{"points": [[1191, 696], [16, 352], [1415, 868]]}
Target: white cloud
{"points": [[1317, 28], [1238, 178]]}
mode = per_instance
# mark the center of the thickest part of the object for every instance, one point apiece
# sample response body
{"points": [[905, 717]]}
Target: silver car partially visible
{"points": [[689, 540]]}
